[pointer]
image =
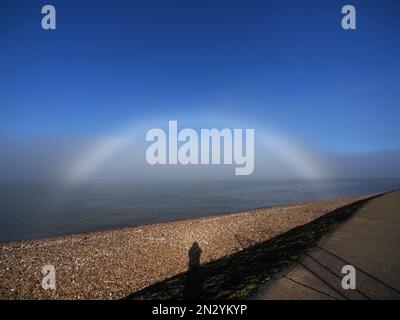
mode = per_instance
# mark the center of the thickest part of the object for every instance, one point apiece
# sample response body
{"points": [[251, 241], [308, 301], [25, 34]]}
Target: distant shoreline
{"points": [[101, 230], [137, 225], [110, 264]]}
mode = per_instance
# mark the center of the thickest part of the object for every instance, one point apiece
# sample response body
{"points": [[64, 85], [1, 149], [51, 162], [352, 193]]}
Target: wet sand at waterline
{"points": [[111, 264]]}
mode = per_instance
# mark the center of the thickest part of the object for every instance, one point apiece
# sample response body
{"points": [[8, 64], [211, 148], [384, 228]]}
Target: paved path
{"points": [[369, 241]]}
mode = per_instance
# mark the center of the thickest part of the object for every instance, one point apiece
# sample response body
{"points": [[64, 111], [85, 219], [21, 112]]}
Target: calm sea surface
{"points": [[32, 210]]}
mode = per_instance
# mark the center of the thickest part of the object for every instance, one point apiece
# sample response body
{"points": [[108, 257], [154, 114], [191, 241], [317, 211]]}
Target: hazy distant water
{"points": [[38, 210]]}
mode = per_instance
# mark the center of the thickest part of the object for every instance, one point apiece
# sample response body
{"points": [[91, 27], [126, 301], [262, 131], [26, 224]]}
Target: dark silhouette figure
{"points": [[194, 283], [194, 254]]}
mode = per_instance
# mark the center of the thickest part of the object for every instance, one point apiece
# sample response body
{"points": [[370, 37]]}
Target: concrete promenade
{"points": [[369, 241]]}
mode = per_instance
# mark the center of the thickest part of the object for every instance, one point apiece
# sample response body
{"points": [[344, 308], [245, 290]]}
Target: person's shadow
{"points": [[194, 283]]}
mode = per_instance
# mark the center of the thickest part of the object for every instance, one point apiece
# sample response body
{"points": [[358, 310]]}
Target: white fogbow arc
{"points": [[300, 161]]}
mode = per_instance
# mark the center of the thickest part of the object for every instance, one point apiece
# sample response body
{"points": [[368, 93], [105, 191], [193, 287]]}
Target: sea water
{"points": [[38, 209]]}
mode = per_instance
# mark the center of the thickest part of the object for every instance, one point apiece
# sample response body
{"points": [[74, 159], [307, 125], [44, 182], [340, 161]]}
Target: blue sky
{"points": [[286, 64]]}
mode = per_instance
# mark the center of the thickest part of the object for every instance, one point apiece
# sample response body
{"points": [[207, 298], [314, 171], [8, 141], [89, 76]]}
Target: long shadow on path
{"points": [[241, 274]]}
